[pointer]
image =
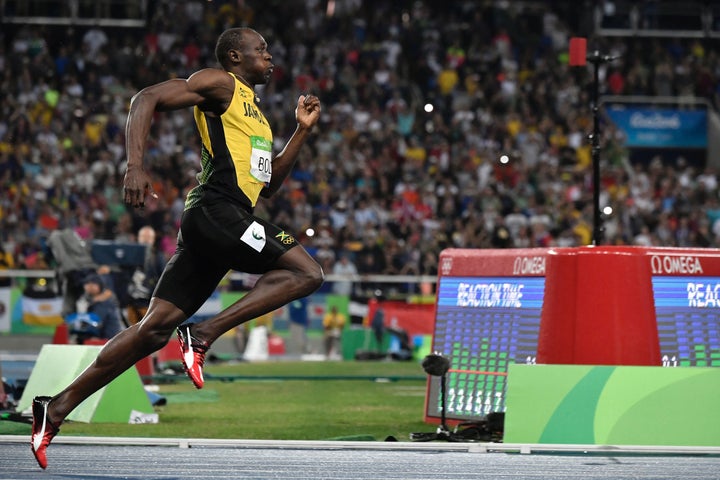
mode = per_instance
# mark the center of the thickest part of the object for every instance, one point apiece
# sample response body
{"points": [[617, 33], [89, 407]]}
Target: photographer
{"points": [[102, 317]]}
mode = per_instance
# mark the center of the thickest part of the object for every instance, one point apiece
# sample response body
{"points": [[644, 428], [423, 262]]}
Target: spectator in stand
{"points": [[333, 324], [143, 280], [346, 268], [7, 262], [71, 254]]}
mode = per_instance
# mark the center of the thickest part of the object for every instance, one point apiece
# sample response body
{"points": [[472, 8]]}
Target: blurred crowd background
{"points": [[445, 124]]}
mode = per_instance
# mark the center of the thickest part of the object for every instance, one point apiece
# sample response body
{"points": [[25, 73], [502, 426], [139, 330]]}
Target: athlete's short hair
{"points": [[231, 39]]}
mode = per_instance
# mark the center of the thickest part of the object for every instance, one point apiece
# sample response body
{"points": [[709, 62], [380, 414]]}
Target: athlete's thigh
{"points": [[237, 239], [189, 279]]}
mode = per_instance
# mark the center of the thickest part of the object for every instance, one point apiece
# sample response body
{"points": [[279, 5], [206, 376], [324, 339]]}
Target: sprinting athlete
{"points": [[218, 231]]}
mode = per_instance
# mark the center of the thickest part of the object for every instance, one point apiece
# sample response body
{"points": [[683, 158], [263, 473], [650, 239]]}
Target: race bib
{"points": [[261, 159]]}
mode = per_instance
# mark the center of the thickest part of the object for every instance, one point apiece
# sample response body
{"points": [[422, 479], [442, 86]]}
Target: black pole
{"points": [[596, 59], [443, 424]]}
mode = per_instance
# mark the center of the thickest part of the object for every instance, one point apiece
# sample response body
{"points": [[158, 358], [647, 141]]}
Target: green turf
{"points": [[205, 395], [372, 400], [319, 369]]}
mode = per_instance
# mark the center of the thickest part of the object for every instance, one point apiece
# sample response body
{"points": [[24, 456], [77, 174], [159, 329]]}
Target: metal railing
{"points": [[688, 19], [245, 277], [102, 13]]}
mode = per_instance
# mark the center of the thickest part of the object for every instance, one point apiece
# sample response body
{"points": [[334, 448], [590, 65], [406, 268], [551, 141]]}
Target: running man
{"points": [[218, 232]]}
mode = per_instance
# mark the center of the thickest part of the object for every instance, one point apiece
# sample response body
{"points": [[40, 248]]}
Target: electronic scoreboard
{"points": [[686, 292], [484, 323], [492, 306]]}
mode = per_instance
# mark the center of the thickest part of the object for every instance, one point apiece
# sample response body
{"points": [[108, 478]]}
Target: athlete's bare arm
{"points": [[211, 89]]}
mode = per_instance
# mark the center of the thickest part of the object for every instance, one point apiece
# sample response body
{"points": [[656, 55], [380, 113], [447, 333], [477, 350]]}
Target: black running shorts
{"points": [[214, 239]]}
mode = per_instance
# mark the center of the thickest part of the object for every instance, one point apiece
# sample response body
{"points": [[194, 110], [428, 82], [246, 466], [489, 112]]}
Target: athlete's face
{"points": [[257, 64]]}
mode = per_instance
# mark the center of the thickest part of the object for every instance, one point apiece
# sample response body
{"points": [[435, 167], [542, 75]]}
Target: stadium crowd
{"points": [[501, 159]]}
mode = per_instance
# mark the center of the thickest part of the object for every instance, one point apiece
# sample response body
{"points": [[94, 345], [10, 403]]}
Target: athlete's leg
{"points": [[119, 354], [294, 275], [185, 284]]}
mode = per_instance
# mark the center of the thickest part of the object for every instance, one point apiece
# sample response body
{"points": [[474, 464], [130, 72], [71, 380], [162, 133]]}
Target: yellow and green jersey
{"points": [[236, 152]]}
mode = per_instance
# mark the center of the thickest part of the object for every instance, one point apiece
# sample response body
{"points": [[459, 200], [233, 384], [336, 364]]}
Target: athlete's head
{"points": [[244, 51]]}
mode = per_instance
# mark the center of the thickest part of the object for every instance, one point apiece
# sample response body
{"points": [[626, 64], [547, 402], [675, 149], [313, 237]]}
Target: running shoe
{"points": [[43, 430], [193, 355]]}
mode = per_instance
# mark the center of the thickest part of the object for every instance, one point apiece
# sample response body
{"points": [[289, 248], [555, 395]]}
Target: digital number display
{"points": [[688, 320], [482, 325]]}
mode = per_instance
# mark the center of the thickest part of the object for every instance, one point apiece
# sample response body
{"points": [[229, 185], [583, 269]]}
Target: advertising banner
{"points": [[660, 127], [42, 311], [612, 405]]}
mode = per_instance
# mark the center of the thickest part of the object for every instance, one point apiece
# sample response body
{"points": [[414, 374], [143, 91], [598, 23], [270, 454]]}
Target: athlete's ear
{"points": [[235, 56]]}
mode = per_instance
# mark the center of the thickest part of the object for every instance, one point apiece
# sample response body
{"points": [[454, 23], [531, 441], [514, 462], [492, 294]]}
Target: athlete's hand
{"points": [[136, 185], [307, 112]]}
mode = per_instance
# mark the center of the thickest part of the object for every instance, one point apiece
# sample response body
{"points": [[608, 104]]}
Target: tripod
{"points": [[489, 429], [437, 365]]}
